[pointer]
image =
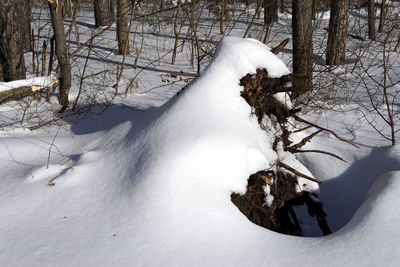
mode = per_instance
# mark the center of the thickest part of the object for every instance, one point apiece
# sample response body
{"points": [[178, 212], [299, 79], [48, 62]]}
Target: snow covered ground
{"points": [[149, 184]]}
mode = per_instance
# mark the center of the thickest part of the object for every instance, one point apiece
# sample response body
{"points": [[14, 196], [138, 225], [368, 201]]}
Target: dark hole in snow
{"points": [[279, 214]]}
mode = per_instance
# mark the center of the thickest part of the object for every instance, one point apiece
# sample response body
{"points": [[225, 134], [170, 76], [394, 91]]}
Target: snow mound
{"points": [[155, 189]]}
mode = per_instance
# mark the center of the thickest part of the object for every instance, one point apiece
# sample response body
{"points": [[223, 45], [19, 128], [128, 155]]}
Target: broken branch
{"points": [[280, 46], [21, 91]]}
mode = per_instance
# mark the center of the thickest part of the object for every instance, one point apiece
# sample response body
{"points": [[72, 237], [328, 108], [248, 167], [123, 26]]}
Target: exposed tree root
{"points": [[271, 194]]}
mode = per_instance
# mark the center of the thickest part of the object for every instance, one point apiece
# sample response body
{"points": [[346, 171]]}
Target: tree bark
{"points": [[302, 45], [222, 17], [12, 39], [103, 12], [61, 52], [26, 26], [176, 32], [122, 26], [382, 16], [270, 11], [23, 91], [371, 20], [336, 49]]}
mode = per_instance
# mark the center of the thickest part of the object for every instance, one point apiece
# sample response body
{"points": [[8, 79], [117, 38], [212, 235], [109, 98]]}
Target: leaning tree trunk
{"points": [[12, 39], [302, 45], [61, 52], [103, 12], [122, 26], [371, 20], [336, 49]]}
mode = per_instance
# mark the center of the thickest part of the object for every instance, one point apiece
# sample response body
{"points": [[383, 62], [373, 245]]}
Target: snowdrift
{"points": [[155, 189]]}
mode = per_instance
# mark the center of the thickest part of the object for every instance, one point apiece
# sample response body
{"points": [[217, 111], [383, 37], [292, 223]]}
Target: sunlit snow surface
{"points": [[152, 188]]}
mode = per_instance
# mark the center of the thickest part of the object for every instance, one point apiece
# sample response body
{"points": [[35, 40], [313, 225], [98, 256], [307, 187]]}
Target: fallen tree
{"points": [[22, 88], [273, 194]]}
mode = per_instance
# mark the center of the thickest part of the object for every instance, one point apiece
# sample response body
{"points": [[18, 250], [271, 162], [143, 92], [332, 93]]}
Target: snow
{"points": [[151, 187], [269, 197]]}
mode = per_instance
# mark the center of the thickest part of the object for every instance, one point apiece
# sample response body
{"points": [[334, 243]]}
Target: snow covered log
{"points": [[21, 88]]}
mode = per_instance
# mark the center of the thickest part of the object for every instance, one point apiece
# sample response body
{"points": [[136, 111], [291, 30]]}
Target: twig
{"points": [[322, 152], [297, 118], [82, 77], [287, 167], [303, 129], [356, 37], [51, 145], [304, 141]]}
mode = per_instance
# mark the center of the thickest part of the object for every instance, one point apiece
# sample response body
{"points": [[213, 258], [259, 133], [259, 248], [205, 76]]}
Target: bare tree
{"points": [[122, 26], [26, 26], [176, 32], [371, 20], [103, 12], [61, 52], [270, 15], [336, 49], [12, 39], [270, 11], [302, 45], [382, 16]]}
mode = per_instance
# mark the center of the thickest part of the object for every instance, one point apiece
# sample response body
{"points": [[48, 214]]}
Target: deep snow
{"points": [[152, 188]]}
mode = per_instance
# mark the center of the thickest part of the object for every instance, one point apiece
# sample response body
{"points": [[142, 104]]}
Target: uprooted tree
{"points": [[273, 193]]}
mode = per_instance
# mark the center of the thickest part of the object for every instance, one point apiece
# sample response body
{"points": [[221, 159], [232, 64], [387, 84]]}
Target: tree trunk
{"points": [[382, 16], [103, 12], [371, 20], [61, 52], [12, 39], [336, 49], [122, 26], [222, 17], [270, 11], [22, 91], [176, 32], [26, 26], [302, 45]]}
